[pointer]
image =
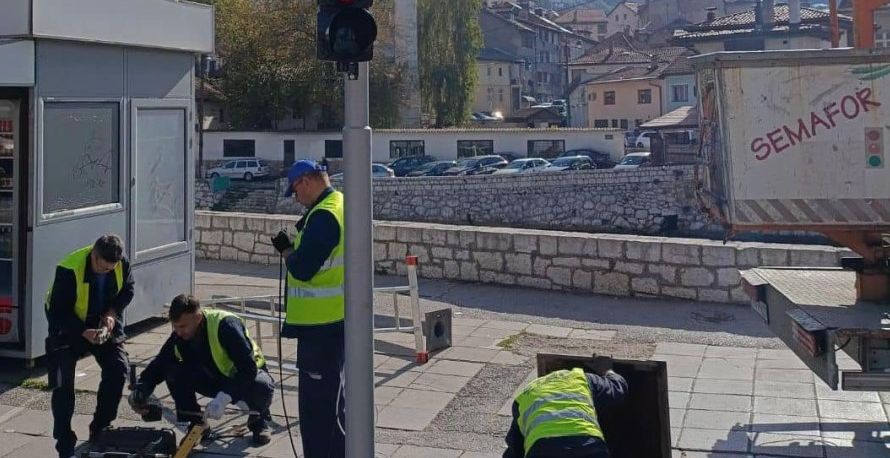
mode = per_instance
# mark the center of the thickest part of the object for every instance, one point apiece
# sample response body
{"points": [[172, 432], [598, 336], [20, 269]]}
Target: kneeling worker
{"points": [[555, 415], [210, 352]]}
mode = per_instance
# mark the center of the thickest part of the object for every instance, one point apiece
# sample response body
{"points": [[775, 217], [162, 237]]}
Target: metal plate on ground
{"points": [[437, 329]]}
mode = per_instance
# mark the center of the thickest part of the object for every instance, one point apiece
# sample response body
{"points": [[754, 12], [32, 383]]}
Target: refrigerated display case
{"points": [[9, 150]]}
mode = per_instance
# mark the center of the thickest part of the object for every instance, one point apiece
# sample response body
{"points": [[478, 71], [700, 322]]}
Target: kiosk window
{"points": [[81, 155]]}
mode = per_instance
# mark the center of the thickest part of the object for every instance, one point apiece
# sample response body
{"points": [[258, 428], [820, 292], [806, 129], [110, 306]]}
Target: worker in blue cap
{"points": [[315, 307]]}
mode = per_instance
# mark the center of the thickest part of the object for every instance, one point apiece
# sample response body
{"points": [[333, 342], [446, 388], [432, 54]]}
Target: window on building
{"points": [[614, 123], [333, 148], [625, 17], [470, 148], [609, 98], [638, 122], [601, 28], [403, 148], [239, 148], [528, 40], [624, 124], [546, 148], [882, 40], [500, 95], [81, 155], [680, 93], [601, 123], [500, 71], [644, 96], [222, 115], [488, 70]]}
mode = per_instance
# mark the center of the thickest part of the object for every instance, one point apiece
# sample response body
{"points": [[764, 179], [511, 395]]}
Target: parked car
{"points": [[634, 160], [246, 169], [600, 159], [523, 165], [475, 165], [569, 163], [509, 156], [484, 116], [432, 169], [377, 171], [405, 165]]}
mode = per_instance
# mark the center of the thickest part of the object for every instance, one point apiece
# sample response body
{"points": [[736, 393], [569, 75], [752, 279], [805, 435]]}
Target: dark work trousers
{"points": [[185, 383], [112, 359], [569, 447], [321, 401]]}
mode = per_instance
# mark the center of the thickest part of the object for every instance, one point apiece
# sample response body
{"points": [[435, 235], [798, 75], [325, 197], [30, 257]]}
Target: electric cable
{"points": [[281, 303]]}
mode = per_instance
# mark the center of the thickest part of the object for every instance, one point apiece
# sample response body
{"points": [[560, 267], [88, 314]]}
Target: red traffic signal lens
{"points": [[873, 135]]}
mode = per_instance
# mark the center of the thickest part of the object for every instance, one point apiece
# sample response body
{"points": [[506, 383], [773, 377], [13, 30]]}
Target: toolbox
{"points": [[133, 442]]}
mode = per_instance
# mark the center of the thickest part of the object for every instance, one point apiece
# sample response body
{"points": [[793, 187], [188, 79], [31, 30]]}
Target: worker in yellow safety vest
{"points": [[315, 307], [211, 353], [556, 415], [90, 290]]}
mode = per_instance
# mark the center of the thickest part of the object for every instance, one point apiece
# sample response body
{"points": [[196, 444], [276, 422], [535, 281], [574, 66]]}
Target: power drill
{"points": [[150, 409]]}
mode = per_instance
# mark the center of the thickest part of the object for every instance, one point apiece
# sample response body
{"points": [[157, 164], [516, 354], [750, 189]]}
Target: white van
{"points": [[671, 137]]}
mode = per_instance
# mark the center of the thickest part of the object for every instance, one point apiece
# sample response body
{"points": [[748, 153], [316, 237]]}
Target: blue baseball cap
{"points": [[299, 169]]}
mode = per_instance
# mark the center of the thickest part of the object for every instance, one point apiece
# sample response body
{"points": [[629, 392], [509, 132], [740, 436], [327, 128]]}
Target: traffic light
{"points": [[346, 31], [874, 147]]}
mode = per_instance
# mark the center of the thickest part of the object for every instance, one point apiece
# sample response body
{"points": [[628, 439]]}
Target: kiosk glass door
{"points": [[9, 151]]}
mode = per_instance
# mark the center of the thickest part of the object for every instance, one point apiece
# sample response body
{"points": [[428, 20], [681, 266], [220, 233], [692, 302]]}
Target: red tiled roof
{"points": [[582, 16]]}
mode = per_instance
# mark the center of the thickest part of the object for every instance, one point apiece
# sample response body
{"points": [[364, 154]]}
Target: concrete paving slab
{"points": [[709, 419], [448, 367], [858, 431], [422, 399], [787, 445], [779, 353], [789, 375], [730, 352], [784, 389], [281, 446], [783, 364], [785, 406], [458, 330], [398, 365], [713, 386], [472, 354], [470, 322], [508, 358], [860, 411], [481, 342], [480, 455], [493, 333], [508, 325], [824, 392], [677, 417], [785, 424], [723, 402], [14, 442], [680, 366], [386, 449], [547, 330], [714, 439], [410, 451], [33, 423], [839, 448], [683, 384], [678, 399], [399, 379], [383, 395], [727, 369], [680, 349], [406, 418], [439, 382]]}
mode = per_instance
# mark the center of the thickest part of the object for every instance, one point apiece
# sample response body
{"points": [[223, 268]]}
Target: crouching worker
{"points": [[210, 352], [555, 415]]}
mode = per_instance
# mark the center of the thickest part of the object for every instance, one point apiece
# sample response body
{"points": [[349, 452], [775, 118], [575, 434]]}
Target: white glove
{"points": [[217, 406]]}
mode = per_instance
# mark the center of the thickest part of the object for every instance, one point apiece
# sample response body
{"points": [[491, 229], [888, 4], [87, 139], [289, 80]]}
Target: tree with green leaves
{"points": [[449, 41]]}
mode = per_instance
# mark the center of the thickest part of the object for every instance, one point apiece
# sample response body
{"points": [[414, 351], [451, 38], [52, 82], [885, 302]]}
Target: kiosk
{"points": [[96, 136]]}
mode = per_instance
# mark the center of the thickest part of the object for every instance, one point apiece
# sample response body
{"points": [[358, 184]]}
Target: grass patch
{"points": [[37, 383], [510, 342]]}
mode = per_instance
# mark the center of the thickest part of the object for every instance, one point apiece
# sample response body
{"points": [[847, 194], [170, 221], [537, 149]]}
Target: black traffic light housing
{"points": [[346, 31]]}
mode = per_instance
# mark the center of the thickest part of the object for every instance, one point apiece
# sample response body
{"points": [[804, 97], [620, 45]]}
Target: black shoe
{"points": [[261, 437]]}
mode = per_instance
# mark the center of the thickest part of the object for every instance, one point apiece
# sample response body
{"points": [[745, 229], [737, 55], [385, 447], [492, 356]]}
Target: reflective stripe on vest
{"points": [[78, 261], [558, 404], [221, 358], [320, 300]]}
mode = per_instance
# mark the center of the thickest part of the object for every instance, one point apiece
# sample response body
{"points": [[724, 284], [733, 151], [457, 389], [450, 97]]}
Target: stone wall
{"points": [[204, 197], [619, 265]]}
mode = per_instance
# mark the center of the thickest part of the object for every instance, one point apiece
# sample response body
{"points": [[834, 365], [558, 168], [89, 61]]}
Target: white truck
{"points": [[796, 140]]}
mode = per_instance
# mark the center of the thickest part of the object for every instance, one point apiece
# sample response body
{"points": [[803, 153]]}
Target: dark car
{"points": [[405, 165], [510, 157], [600, 160], [477, 165], [569, 163], [432, 169]]}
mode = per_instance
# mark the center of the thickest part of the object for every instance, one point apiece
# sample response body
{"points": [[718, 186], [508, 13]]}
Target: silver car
{"points": [[246, 169]]}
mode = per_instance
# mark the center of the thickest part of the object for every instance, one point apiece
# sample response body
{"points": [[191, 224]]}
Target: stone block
{"points": [[451, 269], [567, 262], [629, 267], [518, 263], [713, 295], [219, 222], [643, 250], [644, 285], [441, 253], [244, 241], [560, 275], [548, 245], [525, 243], [696, 276], [434, 236], [504, 279], [468, 271], [462, 255], [227, 238], [421, 251], [668, 274], [236, 223], [534, 282], [681, 293], [728, 277], [398, 251], [468, 239], [597, 264], [814, 257], [202, 220], [486, 276], [582, 279], [611, 283], [211, 237], [748, 256], [489, 260], [541, 265], [256, 225], [406, 234], [738, 295], [431, 271], [495, 241], [453, 237], [243, 256], [571, 246], [773, 257], [259, 259], [384, 233], [681, 253], [718, 255], [610, 248]]}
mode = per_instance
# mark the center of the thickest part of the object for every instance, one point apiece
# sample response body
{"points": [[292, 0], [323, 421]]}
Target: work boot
{"points": [[261, 437], [259, 426]]}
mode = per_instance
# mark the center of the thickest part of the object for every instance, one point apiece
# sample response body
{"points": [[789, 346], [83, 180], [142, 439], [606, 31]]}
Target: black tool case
{"points": [[133, 443]]}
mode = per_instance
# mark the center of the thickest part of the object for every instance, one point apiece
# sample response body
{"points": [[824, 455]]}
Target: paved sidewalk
{"points": [[726, 401]]}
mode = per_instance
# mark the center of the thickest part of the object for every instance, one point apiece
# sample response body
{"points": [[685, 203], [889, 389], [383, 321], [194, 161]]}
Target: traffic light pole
{"points": [[359, 267]]}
